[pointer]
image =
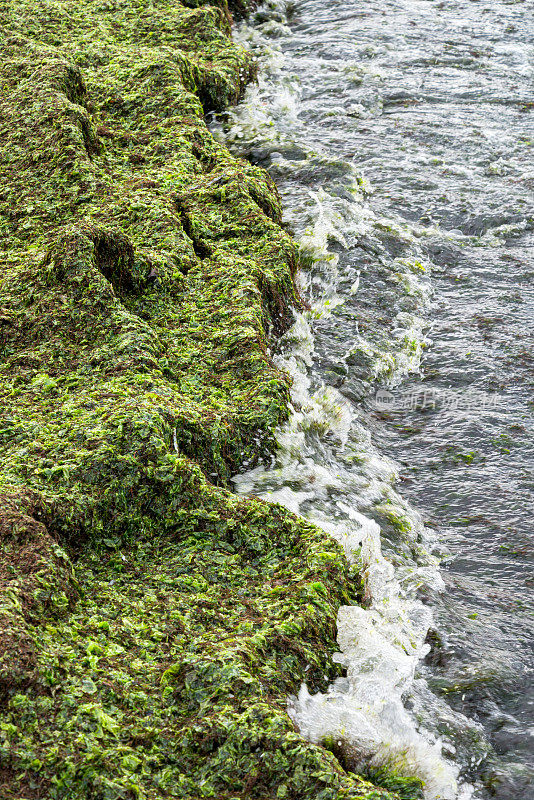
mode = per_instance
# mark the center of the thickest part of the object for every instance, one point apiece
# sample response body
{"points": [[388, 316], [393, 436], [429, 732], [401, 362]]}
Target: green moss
{"points": [[143, 269], [388, 777], [407, 787], [394, 516]]}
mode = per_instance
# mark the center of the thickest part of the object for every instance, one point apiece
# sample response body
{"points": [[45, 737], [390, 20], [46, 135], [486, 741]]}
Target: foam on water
{"points": [[326, 467], [380, 646]]}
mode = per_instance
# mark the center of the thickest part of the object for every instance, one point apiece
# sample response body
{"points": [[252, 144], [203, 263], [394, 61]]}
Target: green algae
{"points": [[152, 624], [385, 776]]}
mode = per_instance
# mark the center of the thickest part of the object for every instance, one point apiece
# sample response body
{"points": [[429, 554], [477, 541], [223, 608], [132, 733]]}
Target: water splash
{"points": [[326, 467], [327, 470]]}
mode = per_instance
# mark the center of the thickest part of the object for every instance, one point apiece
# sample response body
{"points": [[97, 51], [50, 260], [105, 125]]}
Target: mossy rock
{"points": [[152, 624]]}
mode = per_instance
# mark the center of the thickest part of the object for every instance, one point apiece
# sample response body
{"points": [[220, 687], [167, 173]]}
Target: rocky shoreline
{"points": [[152, 624]]}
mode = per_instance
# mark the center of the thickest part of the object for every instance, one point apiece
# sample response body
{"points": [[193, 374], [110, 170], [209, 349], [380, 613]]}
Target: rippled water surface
{"points": [[401, 137]]}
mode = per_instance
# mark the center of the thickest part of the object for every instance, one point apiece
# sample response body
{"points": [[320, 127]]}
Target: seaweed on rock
{"points": [[143, 266]]}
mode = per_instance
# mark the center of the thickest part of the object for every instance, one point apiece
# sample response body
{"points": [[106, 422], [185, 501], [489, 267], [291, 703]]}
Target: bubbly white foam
{"points": [[380, 646], [327, 470]]}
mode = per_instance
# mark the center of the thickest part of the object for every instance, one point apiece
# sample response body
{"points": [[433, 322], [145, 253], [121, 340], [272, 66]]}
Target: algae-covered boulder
{"points": [[152, 624]]}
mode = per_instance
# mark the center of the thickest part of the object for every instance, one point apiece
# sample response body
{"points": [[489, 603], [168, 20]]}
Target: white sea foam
{"points": [[380, 646], [327, 469]]}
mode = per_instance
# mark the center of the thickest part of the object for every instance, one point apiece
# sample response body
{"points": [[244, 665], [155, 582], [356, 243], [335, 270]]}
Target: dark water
{"points": [[401, 136]]}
